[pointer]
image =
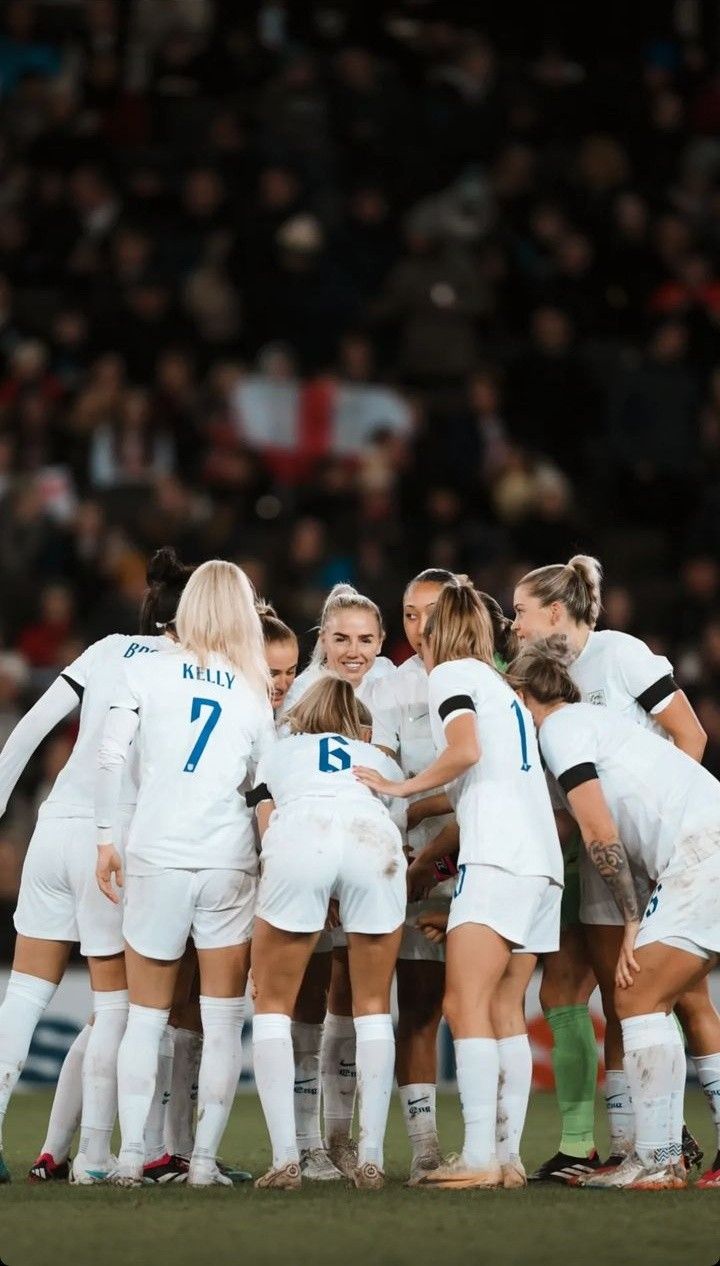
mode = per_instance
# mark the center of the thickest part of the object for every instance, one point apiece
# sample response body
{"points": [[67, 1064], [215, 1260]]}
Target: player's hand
{"points": [[627, 964], [421, 878], [109, 863], [433, 925], [375, 781]]}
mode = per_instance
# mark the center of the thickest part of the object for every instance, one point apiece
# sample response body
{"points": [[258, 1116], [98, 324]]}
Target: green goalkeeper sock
{"points": [[575, 1064]]}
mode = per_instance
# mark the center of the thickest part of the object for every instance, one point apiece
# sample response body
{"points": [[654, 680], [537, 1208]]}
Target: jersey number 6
{"points": [[333, 757], [196, 707]]}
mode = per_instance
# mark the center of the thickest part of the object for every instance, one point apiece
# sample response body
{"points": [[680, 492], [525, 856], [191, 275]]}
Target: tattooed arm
{"points": [[610, 860], [609, 857]]}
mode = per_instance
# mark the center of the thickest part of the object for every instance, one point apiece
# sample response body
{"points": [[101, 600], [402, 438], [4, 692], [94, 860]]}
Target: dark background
{"points": [[341, 291]]}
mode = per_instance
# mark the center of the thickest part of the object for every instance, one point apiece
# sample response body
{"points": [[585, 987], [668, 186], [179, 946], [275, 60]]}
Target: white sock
{"points": [[67, 1103], [621, 1118], [25, 1000], [478, 1067], [100, 1076], [515, 1068], [677, 1098], [375, 1072], [649, 1066], [180, 1114], [707, 1068], [222, 1021], [155, 1127], [418, 1105], [338, 1076], [137, 1071], [274, 1078], [306, 1040]]}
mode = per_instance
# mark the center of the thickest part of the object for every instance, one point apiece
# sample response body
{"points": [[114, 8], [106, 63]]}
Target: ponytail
{"points": [[459, 626], [576, 584], [166, 579]]}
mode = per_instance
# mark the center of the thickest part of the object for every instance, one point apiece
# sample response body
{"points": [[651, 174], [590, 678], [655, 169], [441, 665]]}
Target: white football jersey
{"points": [[380, 670], [503, 805], [401, 715], [619, 672], [96, 675], [401, 723], [319, 766], [658, 796], [201, 732]]}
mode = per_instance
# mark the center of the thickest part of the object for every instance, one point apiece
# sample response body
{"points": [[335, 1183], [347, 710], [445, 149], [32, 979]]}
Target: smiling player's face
{"points": [[352, 642]]}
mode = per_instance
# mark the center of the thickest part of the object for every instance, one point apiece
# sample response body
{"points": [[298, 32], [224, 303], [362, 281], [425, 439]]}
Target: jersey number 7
{"points": [[196, 708]]}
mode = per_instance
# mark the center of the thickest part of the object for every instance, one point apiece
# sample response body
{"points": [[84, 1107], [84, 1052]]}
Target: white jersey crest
{"points": [[619, 672]]}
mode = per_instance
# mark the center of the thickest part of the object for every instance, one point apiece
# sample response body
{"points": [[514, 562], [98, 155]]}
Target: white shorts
{"points": [[415, 946], [59, 897], [165, 907], [684, 910], [525, 909], [597, 905], [309, 857]]}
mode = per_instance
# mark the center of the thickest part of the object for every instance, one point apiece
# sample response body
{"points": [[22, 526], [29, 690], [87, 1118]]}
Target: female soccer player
{"points": [[402, 722], [59, 902], [281, 653], [643, 806], [401, 719], [510, 872], [328, 836], [617, 671], [350, 639], [202, 717]]}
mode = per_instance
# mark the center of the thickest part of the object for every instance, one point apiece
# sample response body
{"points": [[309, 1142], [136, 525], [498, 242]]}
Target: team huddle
{"points": [[514, 793]]}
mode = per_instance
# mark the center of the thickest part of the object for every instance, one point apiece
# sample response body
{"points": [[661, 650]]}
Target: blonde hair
{"points": [[216, 616], [329, 706], [540, 669], [459, 626], [343, 597], [577, 584]]}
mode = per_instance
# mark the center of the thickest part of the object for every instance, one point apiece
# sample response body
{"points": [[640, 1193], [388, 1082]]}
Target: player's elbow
{"points": [[698, 741], [467, 754]]}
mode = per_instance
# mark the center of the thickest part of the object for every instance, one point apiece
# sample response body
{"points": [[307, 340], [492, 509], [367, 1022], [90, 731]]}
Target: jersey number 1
{"points": [[523, 735], [196, 707]]}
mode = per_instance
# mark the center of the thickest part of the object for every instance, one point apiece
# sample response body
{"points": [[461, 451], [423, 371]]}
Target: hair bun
{"points": [[343, 587], [165, 567], [265, 609]]}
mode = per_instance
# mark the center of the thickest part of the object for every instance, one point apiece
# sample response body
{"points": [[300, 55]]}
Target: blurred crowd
{"points": [[340, 291]]}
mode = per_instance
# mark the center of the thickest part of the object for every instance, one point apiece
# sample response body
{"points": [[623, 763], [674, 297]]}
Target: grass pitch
{"points": [[334, 1226]]}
